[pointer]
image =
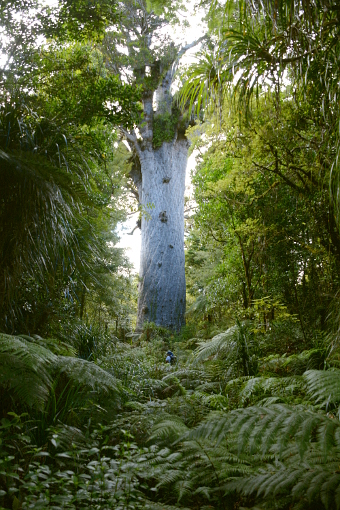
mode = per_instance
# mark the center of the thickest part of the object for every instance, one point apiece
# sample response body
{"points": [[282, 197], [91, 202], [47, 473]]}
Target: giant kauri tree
{"points": [[159, 151]]}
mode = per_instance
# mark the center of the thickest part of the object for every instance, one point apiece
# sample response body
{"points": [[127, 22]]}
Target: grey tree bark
{"points": [[159, 176], [162, 276]]}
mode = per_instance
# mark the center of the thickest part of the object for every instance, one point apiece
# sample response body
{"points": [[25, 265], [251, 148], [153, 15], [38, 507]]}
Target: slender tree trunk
{"points": [[162, 275]]}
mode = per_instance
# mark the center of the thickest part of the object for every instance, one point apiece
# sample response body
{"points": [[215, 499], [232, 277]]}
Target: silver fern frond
{"points": [[324, 386]]}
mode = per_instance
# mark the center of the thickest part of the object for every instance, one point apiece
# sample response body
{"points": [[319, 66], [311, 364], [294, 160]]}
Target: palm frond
{"points": [[203, 81], [36, 218]]}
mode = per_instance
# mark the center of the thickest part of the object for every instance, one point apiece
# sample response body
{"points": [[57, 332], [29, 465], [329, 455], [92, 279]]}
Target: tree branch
{"points": [[183, 50], [132, 231], [132, 139]]}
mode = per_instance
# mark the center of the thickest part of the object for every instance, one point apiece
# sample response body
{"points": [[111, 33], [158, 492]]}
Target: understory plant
{"points": [[231, 424]]}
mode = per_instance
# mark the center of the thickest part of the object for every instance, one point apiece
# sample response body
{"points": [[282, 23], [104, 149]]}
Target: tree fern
{"points": [[324, 386], [221, 343], [87, 374], [235, 346], [25, 369]]}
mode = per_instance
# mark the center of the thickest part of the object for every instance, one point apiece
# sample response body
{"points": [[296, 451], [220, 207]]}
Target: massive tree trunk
{"points": [[159, 177], [162, 277]]}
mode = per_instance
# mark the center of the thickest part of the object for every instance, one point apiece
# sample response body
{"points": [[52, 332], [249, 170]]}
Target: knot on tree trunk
{"points": [[163, 217]]}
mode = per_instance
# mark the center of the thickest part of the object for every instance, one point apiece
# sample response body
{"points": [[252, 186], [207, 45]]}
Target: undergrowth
{"points": [[231, 424]]}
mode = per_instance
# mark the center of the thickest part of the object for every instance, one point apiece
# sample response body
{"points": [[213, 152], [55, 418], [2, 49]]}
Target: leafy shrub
{"points": [[86, 472]]}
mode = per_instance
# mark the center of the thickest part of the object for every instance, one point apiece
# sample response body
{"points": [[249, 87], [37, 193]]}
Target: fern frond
{"points": [[54, 345], [152, 505], [221, 342], [305, 360], [171, 429], [169, 477], [313, 483], [25, 369], [213, 401], [68, 436], [87, 374], [272, 429], [183, 488], [275, 386], [324, 386], [191, 378]]}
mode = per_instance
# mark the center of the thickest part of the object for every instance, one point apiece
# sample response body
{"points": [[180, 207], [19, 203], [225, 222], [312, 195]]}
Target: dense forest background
{"points": [[248, 415]]}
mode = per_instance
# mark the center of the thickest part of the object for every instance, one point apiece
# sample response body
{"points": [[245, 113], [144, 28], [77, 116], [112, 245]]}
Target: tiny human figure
{"points": [[170, 357]]}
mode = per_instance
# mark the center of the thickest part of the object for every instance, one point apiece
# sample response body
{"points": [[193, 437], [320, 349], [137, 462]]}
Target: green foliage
{"points": [[164, 128], [91, 415], [202, 81], [258, 234], [261, 43], [29, 370], [80, 20], [62, 185], [24, 369], [218, 437], [67, 473]]}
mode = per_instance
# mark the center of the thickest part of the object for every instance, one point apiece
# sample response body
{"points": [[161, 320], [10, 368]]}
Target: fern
{"points": [[25, 369], [273, 428], [324, 386], [87, 374], [221, 343], [36, 377], [271, 454], [170, 429], [203, 466], [284, 389], [56, 346], [302, 447], [296, 364], [191, 378], [234, 349]]}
